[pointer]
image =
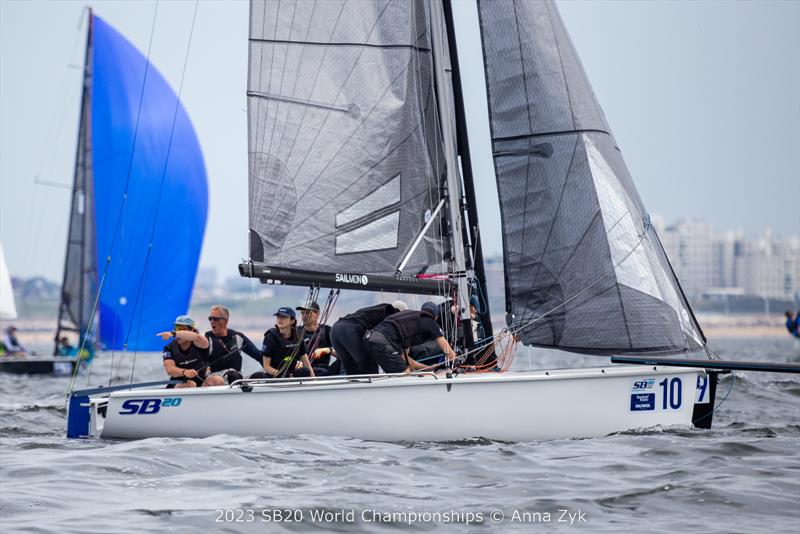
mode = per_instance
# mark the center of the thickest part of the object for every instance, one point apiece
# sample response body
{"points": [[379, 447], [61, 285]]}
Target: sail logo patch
{"points": [[643, 401], [148, 406], [352, 278]]}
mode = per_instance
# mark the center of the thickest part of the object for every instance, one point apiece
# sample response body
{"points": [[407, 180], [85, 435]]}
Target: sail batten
{"points": [[584, 269]]}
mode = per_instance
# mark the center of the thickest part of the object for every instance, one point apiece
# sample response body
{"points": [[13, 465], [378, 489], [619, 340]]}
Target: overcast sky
{"points": [[703, 98]]}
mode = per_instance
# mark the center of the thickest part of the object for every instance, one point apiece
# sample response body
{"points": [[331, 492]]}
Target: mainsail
{"points": [[346, 164], [139, 202], [584, 269], [79, 285]]}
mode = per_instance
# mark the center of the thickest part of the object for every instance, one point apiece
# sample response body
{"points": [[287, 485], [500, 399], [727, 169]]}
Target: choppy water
{"points": [[741, 476]]}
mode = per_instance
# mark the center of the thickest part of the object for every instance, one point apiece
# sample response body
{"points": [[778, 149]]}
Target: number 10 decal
{"points": [[671, 393]]}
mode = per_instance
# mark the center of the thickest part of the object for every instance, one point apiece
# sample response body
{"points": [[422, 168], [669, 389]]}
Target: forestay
{"points": [[584, 268], [344, 147]]}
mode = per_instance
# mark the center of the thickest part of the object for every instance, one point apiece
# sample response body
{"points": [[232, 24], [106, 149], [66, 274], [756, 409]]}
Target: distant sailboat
{"points": [[356, 122], [8, 308], [139, 202], [24, 363]]}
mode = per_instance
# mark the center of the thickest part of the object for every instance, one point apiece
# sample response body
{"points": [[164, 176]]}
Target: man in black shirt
{"points": [[317, 338], [388, 344], [347, 336], [227, 345]]}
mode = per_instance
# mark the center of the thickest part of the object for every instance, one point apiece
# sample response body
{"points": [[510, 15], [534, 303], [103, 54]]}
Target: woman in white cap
{"points": [[347, 336], [186, 356]]}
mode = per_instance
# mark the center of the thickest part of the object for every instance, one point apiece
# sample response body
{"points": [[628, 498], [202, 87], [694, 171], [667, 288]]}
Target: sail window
{"points": [[383, 197], [629, 251], [377, 235]]}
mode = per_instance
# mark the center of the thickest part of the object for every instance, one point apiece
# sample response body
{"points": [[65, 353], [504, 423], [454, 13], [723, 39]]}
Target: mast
{"points": [[453, 183], [462, 140], [79, 191]]}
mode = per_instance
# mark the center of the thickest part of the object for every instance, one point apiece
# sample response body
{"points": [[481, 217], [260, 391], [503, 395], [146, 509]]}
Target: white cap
{"points": [[399, 305]]}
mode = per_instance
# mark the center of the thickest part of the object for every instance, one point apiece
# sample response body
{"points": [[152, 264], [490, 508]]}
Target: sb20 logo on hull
{"points": [[148, 406]]}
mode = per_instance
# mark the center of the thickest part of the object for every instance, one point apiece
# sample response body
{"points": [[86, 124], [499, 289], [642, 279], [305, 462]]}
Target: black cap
{"points": [[314, 306]]}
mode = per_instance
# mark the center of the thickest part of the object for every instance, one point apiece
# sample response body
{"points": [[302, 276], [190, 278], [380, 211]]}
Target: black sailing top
{"points": [[226, 352], [280, 350], [371, 316]]}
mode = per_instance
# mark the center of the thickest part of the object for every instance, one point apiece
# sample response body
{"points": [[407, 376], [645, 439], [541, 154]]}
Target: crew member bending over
{"points": [[389, 342], [347, 336]]}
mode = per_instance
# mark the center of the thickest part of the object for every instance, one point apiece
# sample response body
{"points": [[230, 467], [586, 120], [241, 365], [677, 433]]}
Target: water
{"points": [[741, 476]]}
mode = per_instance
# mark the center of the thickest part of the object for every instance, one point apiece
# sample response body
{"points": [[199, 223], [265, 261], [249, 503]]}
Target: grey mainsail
{"points": [[345, 152], [584, 268], [79, 286]]}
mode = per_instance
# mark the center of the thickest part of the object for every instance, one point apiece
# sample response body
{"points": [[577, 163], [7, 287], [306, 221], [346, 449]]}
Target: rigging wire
{"points": [[115, 234], [143, 277]]}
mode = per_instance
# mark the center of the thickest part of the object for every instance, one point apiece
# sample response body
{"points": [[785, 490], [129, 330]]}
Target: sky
{"points": [[703, 98]]}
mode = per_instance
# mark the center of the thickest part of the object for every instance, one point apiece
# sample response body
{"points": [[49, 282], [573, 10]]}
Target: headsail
{"points": [[584, 268], [144, 177], [8, 309], [344, 147]]}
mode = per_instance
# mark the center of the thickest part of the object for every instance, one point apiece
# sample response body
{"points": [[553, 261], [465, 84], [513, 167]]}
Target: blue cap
{"points": [[184, 320], [286, 312], [431, 308]]}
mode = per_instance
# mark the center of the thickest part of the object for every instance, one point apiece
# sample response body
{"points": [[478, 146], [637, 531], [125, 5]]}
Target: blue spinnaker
{"points": [[134, 139]]}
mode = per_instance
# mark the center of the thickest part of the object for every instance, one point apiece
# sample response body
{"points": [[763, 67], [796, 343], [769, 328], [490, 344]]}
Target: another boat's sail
{"points": [[79, 285], [140, 199], [344, 144], [584, 268], [8, 309]]}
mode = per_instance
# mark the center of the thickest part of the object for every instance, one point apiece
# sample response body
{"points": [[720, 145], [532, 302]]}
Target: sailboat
{"points": [[24, 363], [138, 205], [360, 178]]}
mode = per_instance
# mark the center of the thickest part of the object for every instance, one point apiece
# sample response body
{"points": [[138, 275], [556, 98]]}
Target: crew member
{"points": [[12, 344], [793, 323], [347, 336], [227, 345], [65, 348], [284, 353], [388, 344], [186, 356], [317, 338]]}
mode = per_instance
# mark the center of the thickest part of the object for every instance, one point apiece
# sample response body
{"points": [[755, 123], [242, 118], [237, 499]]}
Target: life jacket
{"points": [[225, 353], [286, 347], [408, 324], [371, 316], [194, 357], [322, 341]]}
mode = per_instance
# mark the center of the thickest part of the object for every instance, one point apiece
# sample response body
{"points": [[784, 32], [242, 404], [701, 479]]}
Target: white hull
{"points": [[513, 406]]}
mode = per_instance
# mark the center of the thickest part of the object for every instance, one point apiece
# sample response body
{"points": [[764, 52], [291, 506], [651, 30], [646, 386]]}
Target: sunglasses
{"points": [[180, 327], [212, 318]]}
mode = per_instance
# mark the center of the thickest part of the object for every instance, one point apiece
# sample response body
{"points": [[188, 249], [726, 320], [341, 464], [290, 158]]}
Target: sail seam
{"points": [[556, 214], [319, 43], [561, 61], [522, 66]]}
